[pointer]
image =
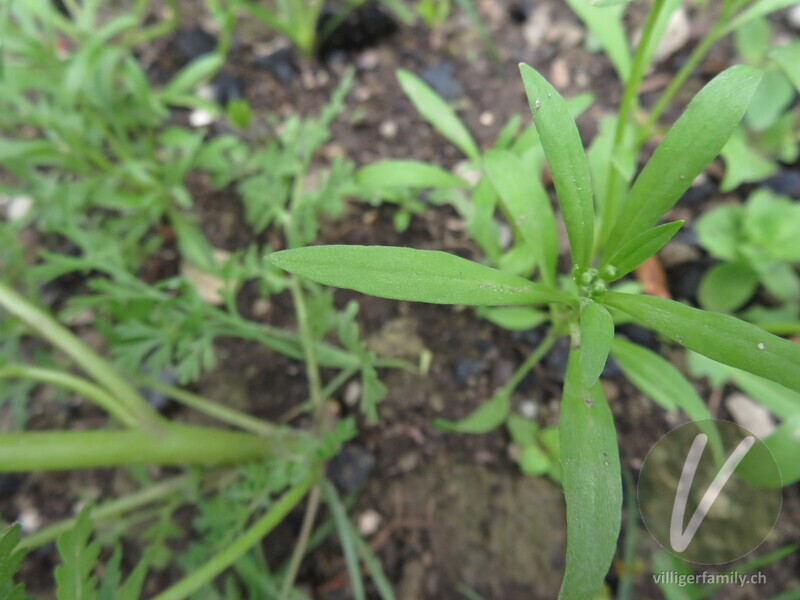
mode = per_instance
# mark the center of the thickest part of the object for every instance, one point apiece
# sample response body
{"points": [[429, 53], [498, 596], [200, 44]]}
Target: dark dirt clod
{"points": [[280, 64], [363, 28], [192, 43], [350, 469]]}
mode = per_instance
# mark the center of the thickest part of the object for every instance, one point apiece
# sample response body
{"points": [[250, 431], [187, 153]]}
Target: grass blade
{"points": [[592, 484], [567, 161], [415, 275]]}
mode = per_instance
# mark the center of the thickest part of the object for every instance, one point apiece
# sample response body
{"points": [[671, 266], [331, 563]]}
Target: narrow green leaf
{"points": [[755, 11], [692, 142], [526, 205], [788, 58], [784, 444], [565, 156], [406, 174], [373, 565], [726, 286], [658, 379], [194, 246], [346, 539], [485, 418], [642, 247], [720, 337], [597, 333], [415, 275], [604, 19], [193, 74], [437, 112], [515, 318], [592, 484], [776, 398]]}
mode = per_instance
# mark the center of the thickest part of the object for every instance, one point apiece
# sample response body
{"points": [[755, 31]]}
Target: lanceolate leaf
{"points": [[659, 379], [695, 139], [720, 337], [483, 419], [784, 444], [642, 247], [565, 157], [592, 484], [416, 275], [597, 333], [406, 174], [527, 206], [788, 59], [437, 112]]}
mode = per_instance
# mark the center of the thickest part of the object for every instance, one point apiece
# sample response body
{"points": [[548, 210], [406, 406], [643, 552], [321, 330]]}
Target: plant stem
{"points": [[302, 540], [211, 408], [698, 53], [318, 404], [531, 361], [172, 444], [80, 386], [110, 510], [307, 339], [127, 399], [239, 547], [627, 106]]}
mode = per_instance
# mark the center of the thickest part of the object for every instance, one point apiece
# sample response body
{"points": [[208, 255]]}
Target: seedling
{"points": [[583, 305], [757, 242]]}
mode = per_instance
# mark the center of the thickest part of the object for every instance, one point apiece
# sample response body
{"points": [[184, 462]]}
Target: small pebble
{"points": [[352, 394], [17, 206], [388, 129], [200, 118], [369, 522], [486, 119], [793, 17], [30, 519], [442, 78], [528, 409]]}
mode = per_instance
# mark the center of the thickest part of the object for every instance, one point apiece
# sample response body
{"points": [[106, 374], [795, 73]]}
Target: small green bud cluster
{"points": [[592, 282]]}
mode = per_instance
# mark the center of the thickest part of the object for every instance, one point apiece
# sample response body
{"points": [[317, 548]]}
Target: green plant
{"points": [[302, 22], [609, 235], [757, 244], [106, 174], [769, 130], [433, 12]]}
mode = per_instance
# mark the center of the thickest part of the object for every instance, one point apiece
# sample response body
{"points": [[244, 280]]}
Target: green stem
{"points": [[307, 339], [209, 407], [172, 444], [531, 361], [714, 34], [629, 102], [302, 541], [124, 396], [239, 547], [75, 384], [110, 510], [318, 404]]}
